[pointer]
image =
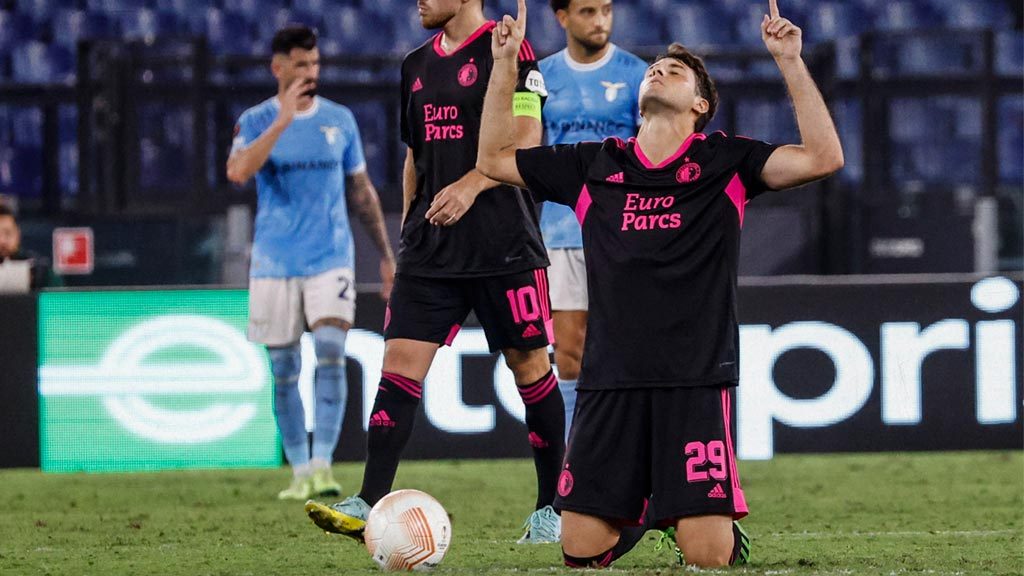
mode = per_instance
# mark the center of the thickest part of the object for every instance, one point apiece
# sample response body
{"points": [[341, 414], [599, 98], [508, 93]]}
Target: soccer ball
{"points": [[408, 530]]}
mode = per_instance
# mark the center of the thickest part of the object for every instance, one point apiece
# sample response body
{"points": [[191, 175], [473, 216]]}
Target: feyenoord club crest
{"points": [[688, 173], [468, 74]]}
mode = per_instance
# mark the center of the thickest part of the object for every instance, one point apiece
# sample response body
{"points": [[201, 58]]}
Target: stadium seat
{"points": [[26, 127], [360, 32], [21, 171], [372, 119], [15, 28], [38, 63], [1010, 140], [409, 32], [321, 6], [849, 120], [769, 120], [228, 32], [697, 24], [41, 10], [255, 9], [148, 24], [548, 37], [71, 25], [1010, 52], [936, 55], [635, 27], [976, 14], [114, 6], [268, 25], [904, 15], [833, 20]]}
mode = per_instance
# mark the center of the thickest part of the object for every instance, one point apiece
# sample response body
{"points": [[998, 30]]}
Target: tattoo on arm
{"points": [[365, 202]]}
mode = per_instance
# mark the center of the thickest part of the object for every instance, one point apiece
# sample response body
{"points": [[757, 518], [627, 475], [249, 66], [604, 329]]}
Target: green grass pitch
{"points": [[886, 514]]}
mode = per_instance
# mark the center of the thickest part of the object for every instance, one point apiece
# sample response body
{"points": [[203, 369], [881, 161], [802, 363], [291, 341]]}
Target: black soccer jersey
{"points": [[442, 100], [662, 245]]}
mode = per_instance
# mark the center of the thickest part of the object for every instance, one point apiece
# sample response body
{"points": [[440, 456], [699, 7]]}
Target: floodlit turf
{"points": [[934, 514]]}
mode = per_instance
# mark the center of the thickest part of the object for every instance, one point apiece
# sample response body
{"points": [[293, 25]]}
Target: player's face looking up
{"points": [[298, 65], [672, 86], [435, 14], [589, 22], [10, 237]]}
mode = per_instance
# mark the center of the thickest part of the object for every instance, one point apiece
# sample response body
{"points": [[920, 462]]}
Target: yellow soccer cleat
{"points": [[301, 488], [324, 483], [347, 517]]}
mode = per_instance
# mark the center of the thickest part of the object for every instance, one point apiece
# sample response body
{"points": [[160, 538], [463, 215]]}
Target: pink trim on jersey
{"points": [[487, 27], [682, 150], [739, 501], [583, 204], [737, 192], [526, 53], [452, 334], [387, 316]]}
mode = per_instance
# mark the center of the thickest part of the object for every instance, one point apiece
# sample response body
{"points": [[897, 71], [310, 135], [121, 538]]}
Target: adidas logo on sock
{"points": [[417, 85], [717, 492], [617, 178], [536, 441], [531, 332], [382, 419]]}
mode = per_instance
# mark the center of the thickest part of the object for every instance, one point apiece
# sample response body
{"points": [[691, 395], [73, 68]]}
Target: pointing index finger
{"points": [[521, 15], [773, 9]]}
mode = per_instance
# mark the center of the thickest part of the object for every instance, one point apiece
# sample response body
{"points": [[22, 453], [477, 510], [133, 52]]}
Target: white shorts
{"points": [[280, 309], [568, 278]]}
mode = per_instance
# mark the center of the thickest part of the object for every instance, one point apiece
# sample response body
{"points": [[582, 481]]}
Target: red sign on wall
{"points": [[73, 251]]}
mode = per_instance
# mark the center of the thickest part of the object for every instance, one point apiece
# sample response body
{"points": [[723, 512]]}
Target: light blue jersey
{"points": [[587, 102], [302, 226]]}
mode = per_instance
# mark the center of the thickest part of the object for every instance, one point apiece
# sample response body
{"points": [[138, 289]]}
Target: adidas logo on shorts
{"points": [[717, 492], [531, 332]]}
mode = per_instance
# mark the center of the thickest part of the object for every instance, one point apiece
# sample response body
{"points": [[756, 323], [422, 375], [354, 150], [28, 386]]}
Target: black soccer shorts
{"points": [[513, 309], [671, 444]]}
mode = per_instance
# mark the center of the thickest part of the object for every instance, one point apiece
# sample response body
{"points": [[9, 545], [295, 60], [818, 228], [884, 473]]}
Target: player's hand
{"points": [[782, 38], [508, 34], [452, 203], [290, 101], [387, 277]]}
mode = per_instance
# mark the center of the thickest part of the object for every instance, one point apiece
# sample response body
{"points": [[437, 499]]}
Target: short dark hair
{"points": [[293, 36], [705, 85], [557, 5], [6, 210]]}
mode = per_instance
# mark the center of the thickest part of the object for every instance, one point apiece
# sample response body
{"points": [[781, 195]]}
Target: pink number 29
{"points": [[700, 455]]}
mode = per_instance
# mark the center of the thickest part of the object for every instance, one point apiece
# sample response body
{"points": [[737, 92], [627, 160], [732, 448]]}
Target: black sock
{"points": [[545, 419], [602, 560], [391, 421], [629, 536]]}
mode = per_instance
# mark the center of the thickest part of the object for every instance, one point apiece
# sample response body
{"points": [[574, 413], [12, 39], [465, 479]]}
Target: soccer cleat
{"points": [[740, 547], [668, 538], [324, 483], [301, 488], [347, 517], [544, 526]]}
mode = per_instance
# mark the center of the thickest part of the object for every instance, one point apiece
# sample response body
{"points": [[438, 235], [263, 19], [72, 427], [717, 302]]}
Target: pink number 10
{"points": [[524, 304]]}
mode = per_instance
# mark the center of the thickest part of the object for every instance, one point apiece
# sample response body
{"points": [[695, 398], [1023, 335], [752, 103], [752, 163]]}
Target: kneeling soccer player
{"points": [[661, 217]]}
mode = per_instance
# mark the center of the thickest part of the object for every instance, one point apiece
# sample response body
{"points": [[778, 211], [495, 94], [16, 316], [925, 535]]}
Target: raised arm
{"points": [[364, 201], [247, 161], [820, 153], [496, 156]]}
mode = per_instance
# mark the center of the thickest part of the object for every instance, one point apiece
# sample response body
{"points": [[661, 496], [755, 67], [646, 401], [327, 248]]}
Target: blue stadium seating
{"points": [[1011, 140], [975, 13], [113, 6], [15, 28], [228, 32], [1009, 52], [905, 15], [146, 23], [21, 171], [71, 25], [698, 24], [35, 62], [833, 20], [547, 36], [636, 26]]}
